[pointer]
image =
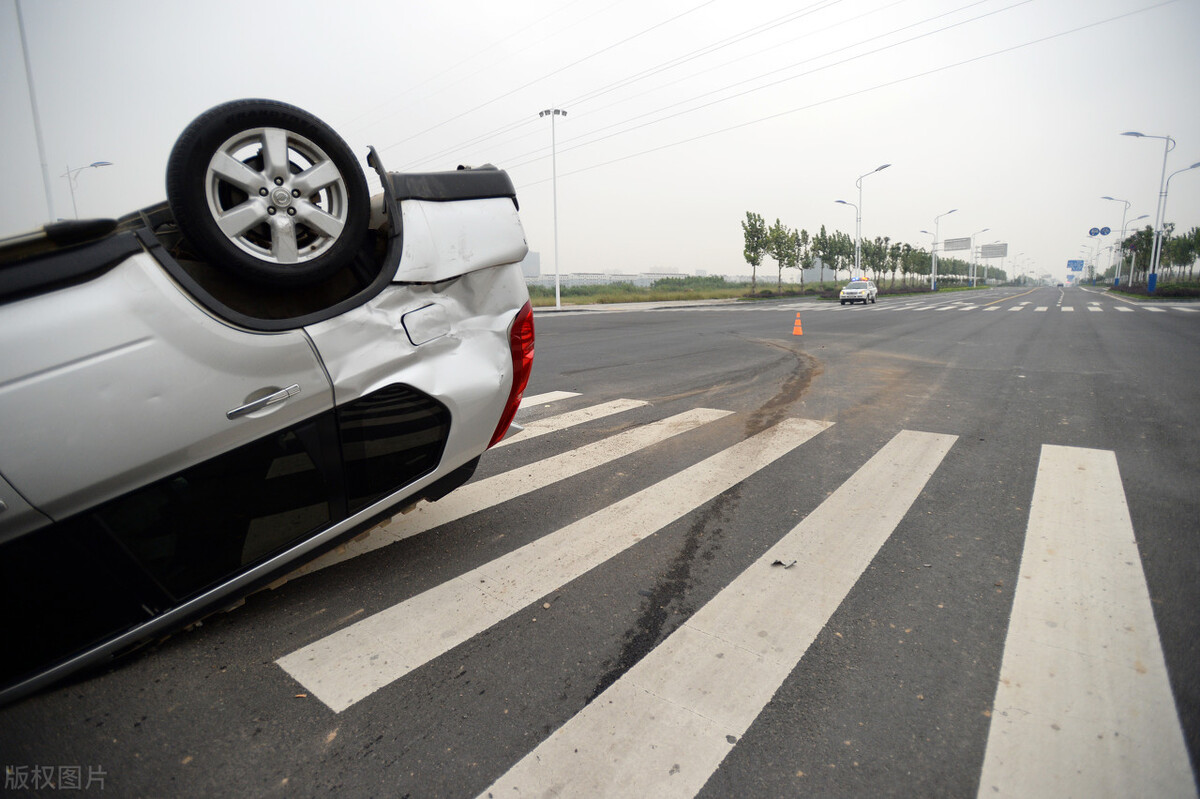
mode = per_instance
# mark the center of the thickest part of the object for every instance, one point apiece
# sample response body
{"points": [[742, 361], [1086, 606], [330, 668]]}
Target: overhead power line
{"points": [[856, 93], [664, 66], [544, 77], [773, 83]]}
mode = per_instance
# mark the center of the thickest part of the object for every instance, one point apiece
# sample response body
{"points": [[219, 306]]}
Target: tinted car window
{"points": [[389, 439]]}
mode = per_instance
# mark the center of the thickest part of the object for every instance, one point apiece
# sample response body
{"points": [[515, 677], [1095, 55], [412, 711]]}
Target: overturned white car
{"points": [[205, 393]]}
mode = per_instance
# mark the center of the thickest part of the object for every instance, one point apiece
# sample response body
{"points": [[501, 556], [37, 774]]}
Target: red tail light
{"points": [[520, 341]]}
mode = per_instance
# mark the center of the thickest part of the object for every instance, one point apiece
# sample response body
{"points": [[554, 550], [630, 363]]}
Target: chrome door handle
{"points": [[262, 402]]}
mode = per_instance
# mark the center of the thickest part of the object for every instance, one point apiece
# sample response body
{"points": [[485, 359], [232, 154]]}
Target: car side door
{"points": [[123, 380]]}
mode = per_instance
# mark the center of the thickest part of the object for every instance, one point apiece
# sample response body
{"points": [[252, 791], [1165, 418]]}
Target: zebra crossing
{"points": [[894, 305], [1082, 704], [891, 306]]}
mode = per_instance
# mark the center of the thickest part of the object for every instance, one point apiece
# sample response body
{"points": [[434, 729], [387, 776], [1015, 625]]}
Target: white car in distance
{"points": [[863, 291]]}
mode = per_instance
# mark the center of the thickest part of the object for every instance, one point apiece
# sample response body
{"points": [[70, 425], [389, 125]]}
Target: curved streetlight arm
{"points": [[1166, 188], [1161, 208], [858, 218], [973, 260], [72, 176], [933, 254]]}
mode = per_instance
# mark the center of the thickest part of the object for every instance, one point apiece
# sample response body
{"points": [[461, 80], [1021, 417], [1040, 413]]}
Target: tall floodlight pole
{"points": [[37, 122], [973, 260], [552, 113], [72, 174], [858, 218], [1169, 144], [1117, 282], [933, 255]]}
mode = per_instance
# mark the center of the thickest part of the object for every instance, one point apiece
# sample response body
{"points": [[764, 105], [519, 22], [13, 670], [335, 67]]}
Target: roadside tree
{"points": [[779, 244], [755, 232]]}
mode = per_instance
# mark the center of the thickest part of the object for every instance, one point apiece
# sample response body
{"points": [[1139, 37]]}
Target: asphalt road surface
{"points": [[931, 547]]}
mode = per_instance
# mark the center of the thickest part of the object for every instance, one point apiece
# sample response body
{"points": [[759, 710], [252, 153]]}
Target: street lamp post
{"points": [[1123, 214], [858, 218], [973, 261], [1167, 188], [1121, 263], [1169, 144], [552, 113], [933, 255], [72, 174]]}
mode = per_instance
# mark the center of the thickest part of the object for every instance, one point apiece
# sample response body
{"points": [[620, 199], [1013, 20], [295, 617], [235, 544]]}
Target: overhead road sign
{"points": [[957, 244], [1075, 266], [993, 251]]}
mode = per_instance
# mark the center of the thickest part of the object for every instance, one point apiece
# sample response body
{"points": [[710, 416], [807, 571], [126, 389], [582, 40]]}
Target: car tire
{"points": [[266, 191], [872, 300], [843, 302]]}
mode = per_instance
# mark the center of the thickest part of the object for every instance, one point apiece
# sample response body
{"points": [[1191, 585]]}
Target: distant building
{"points": [[532, 265]]}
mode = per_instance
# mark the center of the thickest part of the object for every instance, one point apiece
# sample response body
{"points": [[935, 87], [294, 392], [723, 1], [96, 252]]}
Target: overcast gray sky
{"points": [[682, 114]]}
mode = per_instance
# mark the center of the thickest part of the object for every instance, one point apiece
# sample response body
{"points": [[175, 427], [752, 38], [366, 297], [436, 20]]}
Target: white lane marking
{"points": [[664, 727], [349, 665], [1095, 308], [1157, 310], [1083, 706], [1067, 308], [1016, 307], [552, 424], [1042, 308], [1185, 310], [548, 397], [992, 308], [483, 494], [1123, 309]]}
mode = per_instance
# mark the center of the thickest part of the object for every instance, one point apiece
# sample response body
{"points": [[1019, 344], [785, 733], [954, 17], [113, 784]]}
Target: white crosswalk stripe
{"points": [[565, 420], [483, 494], [354, 662], [885, 305], [665, 726], [1082, 705], [547, 398]]}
